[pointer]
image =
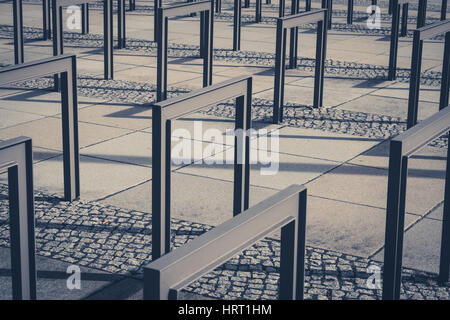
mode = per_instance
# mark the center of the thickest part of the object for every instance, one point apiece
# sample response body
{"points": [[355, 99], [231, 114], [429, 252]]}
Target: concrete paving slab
{"points": [[47, 133], [347, 227], [317, 143], [421, 246], [394, 107], [368, 186], [98, 177], [207, 200], [9, 118], [279, 170]]}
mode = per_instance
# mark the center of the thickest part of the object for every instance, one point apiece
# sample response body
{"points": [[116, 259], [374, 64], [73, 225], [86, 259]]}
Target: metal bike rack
{"points": [[168, 275], [206, 9], [18, 31], [16, 157], [289, 22], [401, 148], [58, 43], [429, 31], [163, 114], [350, 10], [66, 66], [395, 30]]}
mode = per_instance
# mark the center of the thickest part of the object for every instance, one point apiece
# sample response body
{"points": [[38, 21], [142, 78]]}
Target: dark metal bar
{"points": [[166, 276], [156, 5], [66, 65], [421, 13], [46, 20], [444, 265], [404, 29], [394, 226], [308, 5], [18, 31], [414, 82], [166, 111], [17, 156], [132, 5], [328, 4], [350, 12], [206, 9], [444, 10], [445, 81], [291, 22], [121, 37], [258, 15], [246, 3], [281, 8], [218, 6], [237, 25], [108, 39], [293, 46], [85, 18], [394, 41]]}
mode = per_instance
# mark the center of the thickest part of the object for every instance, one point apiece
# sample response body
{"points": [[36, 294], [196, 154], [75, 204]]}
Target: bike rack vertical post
{"points": [[18, 31], [85, 18], [121, 38], [237, 25], [17, 157], [46, 19], [293, 46], [444, 265]]}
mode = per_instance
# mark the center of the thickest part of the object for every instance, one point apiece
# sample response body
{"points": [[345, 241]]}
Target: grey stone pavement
{"points": [[340, 152]]}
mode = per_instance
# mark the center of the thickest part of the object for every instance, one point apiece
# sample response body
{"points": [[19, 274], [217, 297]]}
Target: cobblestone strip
{"points": [[117, 240]]}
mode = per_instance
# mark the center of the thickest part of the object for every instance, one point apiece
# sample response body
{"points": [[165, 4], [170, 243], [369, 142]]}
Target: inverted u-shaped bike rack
{"points": [[401, 148], [167, 276], [163, 114], [206, 9], [66, 66], [429, 31], [16, 157], [291, 22]]}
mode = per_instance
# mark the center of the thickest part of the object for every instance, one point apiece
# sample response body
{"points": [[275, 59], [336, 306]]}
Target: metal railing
{"points": [[167, 111], [16, 156], [420, 34], [66, 66], [167, 276], [401, 148], [206, 9], [290, 22], [393, 49]]}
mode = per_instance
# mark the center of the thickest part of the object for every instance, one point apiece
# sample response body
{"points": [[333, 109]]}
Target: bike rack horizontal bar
{"points": [[291, 22], [167, 276], [65, 65], [166, 111], [402, 147], [206, 9], [16, 156], [420, 34]]}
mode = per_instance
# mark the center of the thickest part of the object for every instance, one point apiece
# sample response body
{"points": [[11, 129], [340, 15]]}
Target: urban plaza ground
{"points": [[339, 152]]}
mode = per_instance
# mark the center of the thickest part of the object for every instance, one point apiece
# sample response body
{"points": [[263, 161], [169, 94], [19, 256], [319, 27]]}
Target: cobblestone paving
{"points": [[119, 241]]}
